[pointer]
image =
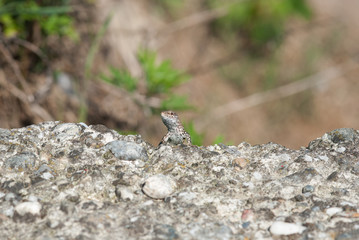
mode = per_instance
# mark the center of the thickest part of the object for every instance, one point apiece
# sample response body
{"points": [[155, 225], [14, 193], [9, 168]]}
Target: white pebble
{"points": [[9, 212], [257, 176], [47, 175], [284, 228], [284, 157], [126, 194], [308, 158], [28, 207], [323, 157], [187, 196], [333, 210], [148, 203], [158, 187], [341, 149], [287, 192], [32, 198], [248, 185]]}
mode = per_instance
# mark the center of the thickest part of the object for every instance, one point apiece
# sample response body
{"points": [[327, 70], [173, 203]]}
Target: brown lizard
{"points": [[176, 134]]}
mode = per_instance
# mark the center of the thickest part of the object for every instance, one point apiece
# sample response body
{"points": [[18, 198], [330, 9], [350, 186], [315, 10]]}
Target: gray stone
{"points": [[302, 176], [67, 131], [127, 150], [21, 161], [308, 189], [342, 135], [4, 134]]}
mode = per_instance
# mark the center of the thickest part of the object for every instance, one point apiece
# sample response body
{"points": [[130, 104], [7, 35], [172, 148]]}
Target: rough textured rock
{"points": [[72, 181]]}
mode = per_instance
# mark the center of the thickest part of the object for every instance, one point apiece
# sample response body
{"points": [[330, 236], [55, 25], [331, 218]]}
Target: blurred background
{"points": [[283, 71]]}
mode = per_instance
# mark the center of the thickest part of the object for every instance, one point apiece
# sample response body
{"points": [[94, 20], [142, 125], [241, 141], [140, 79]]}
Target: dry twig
{"points": [[36, 109], [15, 67], [33, 48], [320, 79]]}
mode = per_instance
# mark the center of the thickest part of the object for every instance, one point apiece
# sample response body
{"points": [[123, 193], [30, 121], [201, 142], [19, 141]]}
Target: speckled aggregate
{"points": [[73, 181]]}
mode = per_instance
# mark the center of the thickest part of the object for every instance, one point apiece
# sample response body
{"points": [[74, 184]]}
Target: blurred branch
{"points": [[183, 23], [15, 67], [43, 90], [95, 45], [33, 48], [320, 79], [25, 96], [213, 65], [156, 38], [193, 20], [35, 109], [142, 100]]}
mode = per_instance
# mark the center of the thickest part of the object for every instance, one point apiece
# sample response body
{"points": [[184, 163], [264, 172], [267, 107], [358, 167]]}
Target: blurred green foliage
{"points": [[196, 137], [220, 139], [121, 78], [175, 102], [17, 17], [168, 7], [258, 22], [160, 79]]}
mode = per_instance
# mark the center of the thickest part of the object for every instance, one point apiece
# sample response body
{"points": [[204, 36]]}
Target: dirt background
{"points": [[229, 95]]}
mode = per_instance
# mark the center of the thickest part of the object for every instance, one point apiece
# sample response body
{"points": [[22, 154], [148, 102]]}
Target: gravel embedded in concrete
{"points": [[72, 181]]}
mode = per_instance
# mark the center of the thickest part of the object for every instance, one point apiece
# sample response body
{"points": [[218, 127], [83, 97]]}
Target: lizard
{"points": [[176, 133]]}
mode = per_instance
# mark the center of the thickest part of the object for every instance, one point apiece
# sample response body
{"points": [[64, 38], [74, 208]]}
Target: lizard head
{"points": [[170, 119]]}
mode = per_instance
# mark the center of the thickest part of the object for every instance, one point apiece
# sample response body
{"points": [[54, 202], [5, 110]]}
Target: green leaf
{"points": [[121, 78], [220, 139], [95, 45], [175, 102], [51, 15], [259, 22], [160, 77], [196, 137], [10, 27]]}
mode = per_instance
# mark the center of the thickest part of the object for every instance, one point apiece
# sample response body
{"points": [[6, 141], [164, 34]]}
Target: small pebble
{"points": [[66, 131], [32, 198], [21, 161], [342, 135], [302, 175], [158, 187], [47, 176], [308, 188], [164, 231], [333, 176], [246, 224], [257, 176], [124, 150], [284, 228], [247, 215], [9, 212], [33, 208], [341, 149], [240, 162], [308, 158], [10, 196], [124, 193], [299, 198], [333, 210], [323, 158]]}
